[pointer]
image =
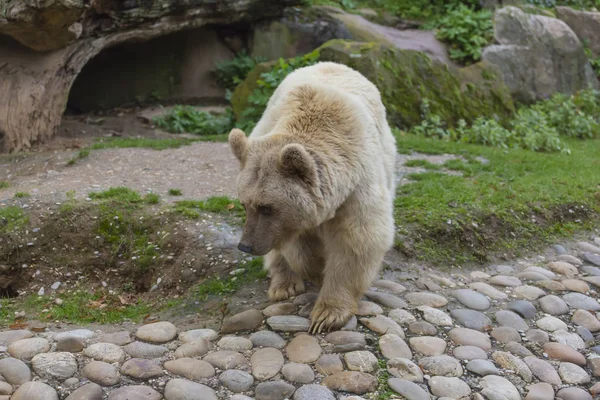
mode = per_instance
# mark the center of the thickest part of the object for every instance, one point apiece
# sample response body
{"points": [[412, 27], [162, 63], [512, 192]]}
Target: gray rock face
{"points": [[579, 300], [538, 55], [58, 365], [267, 339], [441, 366], [471, 319], [310, 392], [522, 307], [585, 24], [236, 381]]}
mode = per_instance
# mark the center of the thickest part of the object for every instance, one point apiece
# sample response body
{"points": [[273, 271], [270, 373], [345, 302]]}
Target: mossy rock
{"points": [[405, 78]]}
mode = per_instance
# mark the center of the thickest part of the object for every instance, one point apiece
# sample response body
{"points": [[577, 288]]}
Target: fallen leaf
{"points": [[18, 325]]}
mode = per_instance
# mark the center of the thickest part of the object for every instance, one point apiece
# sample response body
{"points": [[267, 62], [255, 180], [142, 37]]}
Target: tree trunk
{"points": [[39, 66]]}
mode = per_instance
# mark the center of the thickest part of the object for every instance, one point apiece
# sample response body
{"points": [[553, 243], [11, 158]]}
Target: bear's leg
{"points": [[285, 283]]}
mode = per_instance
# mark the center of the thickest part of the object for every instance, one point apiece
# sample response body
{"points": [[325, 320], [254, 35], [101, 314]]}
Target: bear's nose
{"points": [[245, 248]]}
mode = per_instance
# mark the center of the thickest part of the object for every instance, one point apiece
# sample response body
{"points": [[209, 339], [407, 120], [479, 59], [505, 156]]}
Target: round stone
{"points": [[426, 299], [488, 290], [303, 349], [393, 346], [553, 286], [434, 316], [573, 374], [505, 334], [195, 334], [192, 349], [298, 373], [403, 317], [245, 321], [305, 298], [15, 371], [70, 344], [158, 332], [235, 343], [280, 309], [573, 393], [502, 280], [141, 368], [145, 350], [471, 299], [512, 363], [568, 338], [471, 319], [226, 359], [450, 387], [266, 363], [178, 389], [102, 373], [363, 361], [313, 392], [550, 324], [553, 305], [405, 369], [275, 390], [579, 300], [562, 352], [497, 388], [389, 286], [576, 285], [509, 318], [522, 307], [517, 349], [529, 292], [441, 366], [537, 336], [422, 328], [470, 337], [5, 389], [107, 352], [7, 337], [351, 381], [267, 339], [427, 345], [34, 390], [120, 338], [190, 368], [482, 367], [81, 334], [289, 323], [26, 349], [345, 337], [469, 353], [563, 268], [140, 392], [543, 370], [408, 389], [91, 391], [366, 308], [386, 299], [381, 324], [236, 381], [60, 365], [586, 319], [540, 391]]}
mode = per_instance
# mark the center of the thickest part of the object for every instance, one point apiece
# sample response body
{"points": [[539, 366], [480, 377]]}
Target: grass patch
{"points": [[217, 286], [4, 185], [12, 218], [82, 154], [421, 164], [20, 195], [175, 192], [218, 205], [121, 194], [152, 198], [517, 198], [187, 119]]}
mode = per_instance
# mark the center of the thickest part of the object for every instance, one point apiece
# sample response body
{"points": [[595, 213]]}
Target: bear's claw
{"points": [[285, 290], [327, 318]]}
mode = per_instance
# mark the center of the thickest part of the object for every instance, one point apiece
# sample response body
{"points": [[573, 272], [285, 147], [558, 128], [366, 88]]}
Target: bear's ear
{"points": [[296, 161], [238, 142]]}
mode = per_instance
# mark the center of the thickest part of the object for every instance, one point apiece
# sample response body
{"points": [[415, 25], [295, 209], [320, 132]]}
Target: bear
{"points": [[317, 183]]}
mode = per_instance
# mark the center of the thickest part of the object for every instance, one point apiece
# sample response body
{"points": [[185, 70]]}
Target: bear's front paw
{"points": [[283, 290], [327, 317]]}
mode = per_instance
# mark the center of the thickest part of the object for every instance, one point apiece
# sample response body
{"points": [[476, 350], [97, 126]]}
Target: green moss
{"points": [[218, 205], [12, 218]]}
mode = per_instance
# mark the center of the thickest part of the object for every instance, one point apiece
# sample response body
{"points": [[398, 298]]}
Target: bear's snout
{"points": [[244, 248]]}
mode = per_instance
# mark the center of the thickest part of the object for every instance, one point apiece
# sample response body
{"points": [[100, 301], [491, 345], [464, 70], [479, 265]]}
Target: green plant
{"points": [[4, 184], [187, 119], [219, 205], [231, 73], [175, 192], [12, 218], [120, 194], [84, 153], [467, 31], [217, 286], [152, 198], [20, 195]]}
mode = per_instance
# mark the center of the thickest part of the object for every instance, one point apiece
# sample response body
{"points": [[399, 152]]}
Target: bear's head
{"points": [[278, 186]]}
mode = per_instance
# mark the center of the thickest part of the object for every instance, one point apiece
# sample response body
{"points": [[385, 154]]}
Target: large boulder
{"points": [[538, 55], [407, 77], [585, 24]]}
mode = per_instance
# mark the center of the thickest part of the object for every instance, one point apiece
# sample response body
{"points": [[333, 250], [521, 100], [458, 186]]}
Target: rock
{"points": [[303, 349], [562, 352], [511, 363], [552, 286], [422, 328], [578, 300], [553, 305], [58, 365], [234, 343], [543, 370], [140, 392], [434, 316], [34, 391], [502, 280], [585, 334], [586, 319], [540, 391], [509, 318], [482, 367], [225, 359], [471, 319], [158, 332], [102, 373], [403, 317], [140, 368], [191, 368], [594, 365], [576, 285], [529, 292], [470, 337], [498, 388], [279, 309], [298, 373], [275, 390], [343, 348], [488, 290], [351, 381], [472, 299], [563, 268], [517, 349], [345, 337], [386, 299], [448, 387], [389, 286], [107, 352], [195, 334], [120, 338], [469, 353], [393, 346], [236, 381], [550, 324], [537, 336], [537, 43], [408, 389], [91, 391], [594, 280], [505, 334], [441, 365], [5, 389], [310, 392], [405, 369], [70, 344], [192, 349], [573, 393], [244, 321], [531, 276], [588, 247], [267, 362], [568, 338], [8, 337], [26, 349], [288, 323], [522, 307], [351, 324], [177, 389], [267, 339], [426, 299], [573, 374], [427, 345], [305, 298], [592, 258], [383, 325], [329, 364], [144, 350], [570, 259], [15, 371], [81, 334], [366, 308], [363, 361], [595, 389]]}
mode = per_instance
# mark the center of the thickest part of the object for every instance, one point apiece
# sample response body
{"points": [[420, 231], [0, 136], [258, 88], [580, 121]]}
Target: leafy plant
{"points": [[187, 119], [467, 31], [231, 73]]}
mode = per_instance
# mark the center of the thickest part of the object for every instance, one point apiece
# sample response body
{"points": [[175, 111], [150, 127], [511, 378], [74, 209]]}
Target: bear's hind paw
{"points": [[327, 318]]}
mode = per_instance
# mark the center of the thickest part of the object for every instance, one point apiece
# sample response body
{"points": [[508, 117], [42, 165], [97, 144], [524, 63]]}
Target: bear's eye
{"points": [[265, 210]]}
